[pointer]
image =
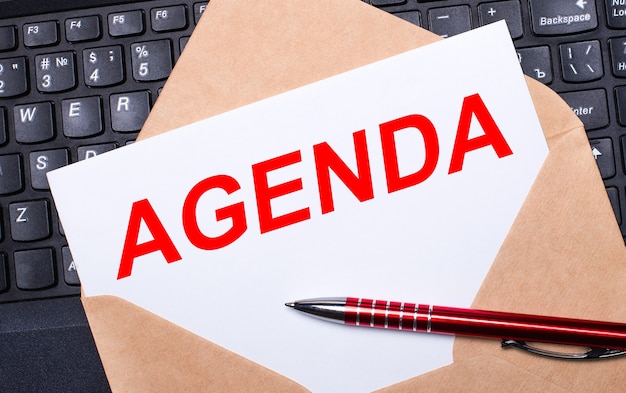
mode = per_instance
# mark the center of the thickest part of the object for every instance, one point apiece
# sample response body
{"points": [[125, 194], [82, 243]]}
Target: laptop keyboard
{"points": [[80, 83]]}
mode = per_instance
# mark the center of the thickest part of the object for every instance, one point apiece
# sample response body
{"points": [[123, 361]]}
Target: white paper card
{"points": [[431, 239]]}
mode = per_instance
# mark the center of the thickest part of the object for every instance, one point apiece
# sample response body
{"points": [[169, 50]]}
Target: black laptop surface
{"points": [[78, 78]]}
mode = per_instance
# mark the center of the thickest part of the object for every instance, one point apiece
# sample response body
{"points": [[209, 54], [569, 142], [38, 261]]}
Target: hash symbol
{"points": [[45, 63]]}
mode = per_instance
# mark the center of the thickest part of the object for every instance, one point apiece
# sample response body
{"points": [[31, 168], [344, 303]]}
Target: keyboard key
{"points": [[387, 2], [198, 10], [34, 269], [69, 268], [29, 220], [3, 127], [508, 10], [449, 21], [536, 63], [615, 13], [13, 77], [183, 42], [558, 17], [168, 18], [125, 23], [590, 106], [4, 280], [614, 198], [151, 60], [581, 61], [620, 98], [42, 162], [8, 39], [33, 122], [103, 66], [623, 142], [41, 34], [11, 174], [85, 28], [86, 152], [55, 72], [602, 150], [82, 117], [410, 16], [617, 47], [129, 110]]}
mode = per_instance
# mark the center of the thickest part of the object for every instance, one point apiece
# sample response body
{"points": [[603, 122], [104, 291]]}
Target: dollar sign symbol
{"points": [[93, 58]]}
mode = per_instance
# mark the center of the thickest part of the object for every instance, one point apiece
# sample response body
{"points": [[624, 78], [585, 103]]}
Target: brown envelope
{"points": [[564, 255]]}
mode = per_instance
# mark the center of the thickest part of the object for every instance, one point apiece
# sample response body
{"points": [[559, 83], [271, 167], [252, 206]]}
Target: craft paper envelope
{"points": [[559, 257]]}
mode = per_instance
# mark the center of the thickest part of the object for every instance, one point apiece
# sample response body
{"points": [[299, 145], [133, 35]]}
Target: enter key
{"points": [[590, 106]]}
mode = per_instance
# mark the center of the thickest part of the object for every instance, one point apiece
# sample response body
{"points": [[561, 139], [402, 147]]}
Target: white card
{"points": [[427, 228]]}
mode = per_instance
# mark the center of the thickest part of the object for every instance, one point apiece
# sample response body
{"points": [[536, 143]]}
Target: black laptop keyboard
{"points": [[79, 83]]}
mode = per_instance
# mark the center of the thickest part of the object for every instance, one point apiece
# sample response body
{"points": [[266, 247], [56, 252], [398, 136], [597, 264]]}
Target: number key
{"points": [[151, 60], [55, 72], [103, 66], [13, 77]]}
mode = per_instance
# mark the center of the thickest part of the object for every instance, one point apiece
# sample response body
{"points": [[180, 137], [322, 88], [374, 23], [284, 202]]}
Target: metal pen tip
{"points": [[290, 304]]}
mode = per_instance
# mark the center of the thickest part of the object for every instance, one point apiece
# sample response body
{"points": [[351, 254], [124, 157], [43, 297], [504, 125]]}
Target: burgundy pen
{"points": [[465, 322]]}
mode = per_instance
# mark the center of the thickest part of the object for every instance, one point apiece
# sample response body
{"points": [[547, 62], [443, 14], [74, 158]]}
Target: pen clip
{"points": [[593, 353]]}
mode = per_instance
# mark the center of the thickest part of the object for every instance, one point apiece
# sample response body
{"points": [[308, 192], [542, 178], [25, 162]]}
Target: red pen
{"points": [[609, 336]]}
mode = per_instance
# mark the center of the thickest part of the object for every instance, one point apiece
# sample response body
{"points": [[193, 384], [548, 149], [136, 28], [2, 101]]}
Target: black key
{"points": [[8, 39], [3, 127], [11, 174], [126, 23], [617, 48], [590, 106], [13, 77], [410, 16], [55, 72], [449, 21], [557, 17], [198, 10], [602, 150], [151, 60], [41, 34], [168, 18], [387, 2], [581, 61], [82, 117], [69, 268], [85, 28], [103, 66], [183, 42], [620, 98], [29, 220], [86, 152], [536, 63], [508, 10], [623, 143], [129, 110], [34, 269], [4, 282], [614, 198], [616, 13], [33, 122], [42, 162]]}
